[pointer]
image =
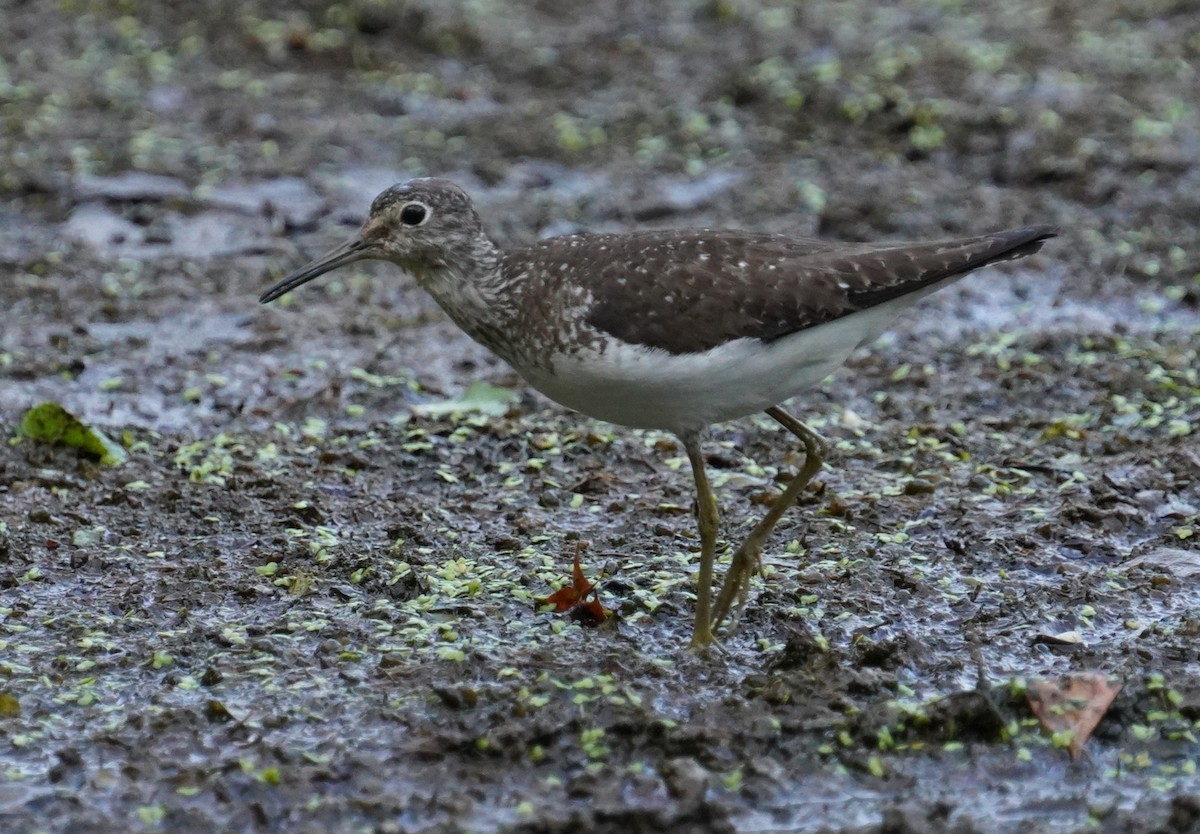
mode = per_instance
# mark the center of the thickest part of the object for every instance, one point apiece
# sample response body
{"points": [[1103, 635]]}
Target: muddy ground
{"points": [[307, 601]]}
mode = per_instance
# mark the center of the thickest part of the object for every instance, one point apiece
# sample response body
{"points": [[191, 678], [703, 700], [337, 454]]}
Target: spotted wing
{"points": [[690, 292]]}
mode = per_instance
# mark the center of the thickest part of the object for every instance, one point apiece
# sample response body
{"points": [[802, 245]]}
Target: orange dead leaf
{"points": [[582, 586], [568, 596], [563, 599], [589, 613], [1074, 704], [573, 597]]}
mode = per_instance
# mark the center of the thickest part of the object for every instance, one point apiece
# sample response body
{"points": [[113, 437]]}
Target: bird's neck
{"points": [[471, 289]]}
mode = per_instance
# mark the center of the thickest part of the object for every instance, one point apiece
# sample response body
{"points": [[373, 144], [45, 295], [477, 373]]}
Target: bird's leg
{"points": [[747, 556], [706, 503]]}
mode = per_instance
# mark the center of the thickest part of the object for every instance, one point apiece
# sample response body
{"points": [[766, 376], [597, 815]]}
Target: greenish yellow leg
{"points": [[746, 559], [706, 502]]}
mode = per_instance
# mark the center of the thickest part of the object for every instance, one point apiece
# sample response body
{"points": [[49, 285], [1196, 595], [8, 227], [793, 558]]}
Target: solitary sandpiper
{"points": [[671, 330]]}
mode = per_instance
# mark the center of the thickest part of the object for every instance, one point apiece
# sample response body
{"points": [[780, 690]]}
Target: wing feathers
{"points": [[687, 292]]}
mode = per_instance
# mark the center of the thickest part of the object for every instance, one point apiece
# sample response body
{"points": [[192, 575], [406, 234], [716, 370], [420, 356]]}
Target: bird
{"points": [[674, 330]]}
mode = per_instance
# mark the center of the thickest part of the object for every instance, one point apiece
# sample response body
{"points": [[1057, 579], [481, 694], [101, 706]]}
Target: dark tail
{"points": [[911, 267]]}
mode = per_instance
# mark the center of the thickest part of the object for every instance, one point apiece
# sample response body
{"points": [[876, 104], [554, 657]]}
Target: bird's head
{"points": [[421, 225]]}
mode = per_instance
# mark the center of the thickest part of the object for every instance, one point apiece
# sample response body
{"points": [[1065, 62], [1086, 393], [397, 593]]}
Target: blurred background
{"points": [[849, 119]]}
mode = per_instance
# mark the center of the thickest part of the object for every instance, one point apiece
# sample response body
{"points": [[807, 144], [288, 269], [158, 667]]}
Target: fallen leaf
{"points": [[573, 597], [9, 705], [563, 599], [1061, 638], [217, 711], [51, 423], [1074, 704], [479, 397], [589, 613], [566, 597]]}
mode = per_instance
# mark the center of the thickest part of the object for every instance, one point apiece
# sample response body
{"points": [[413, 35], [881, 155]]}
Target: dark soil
{"points": [[308, 600]]}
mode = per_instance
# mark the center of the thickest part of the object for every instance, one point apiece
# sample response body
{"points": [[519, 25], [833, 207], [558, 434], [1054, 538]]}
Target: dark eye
{"points": [[413, 214]]}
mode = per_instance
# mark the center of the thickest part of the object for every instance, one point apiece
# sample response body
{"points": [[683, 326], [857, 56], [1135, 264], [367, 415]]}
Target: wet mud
{"points": [[308, 600]]}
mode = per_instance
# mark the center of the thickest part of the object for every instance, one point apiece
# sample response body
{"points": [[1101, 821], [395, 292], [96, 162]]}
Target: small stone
{"points": [[919, 486], [687, 780]]}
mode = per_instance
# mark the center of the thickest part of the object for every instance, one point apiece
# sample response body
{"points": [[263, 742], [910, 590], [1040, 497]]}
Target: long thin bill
{"points": [[349, 252]]}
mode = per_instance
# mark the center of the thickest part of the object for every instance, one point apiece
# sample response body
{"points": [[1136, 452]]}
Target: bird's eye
{"points": [[413, 214]]}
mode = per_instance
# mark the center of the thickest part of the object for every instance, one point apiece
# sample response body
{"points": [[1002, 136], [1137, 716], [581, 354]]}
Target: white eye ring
{"points": [[414, 213]]}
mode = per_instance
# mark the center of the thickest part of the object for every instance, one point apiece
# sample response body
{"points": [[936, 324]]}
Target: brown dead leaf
{"points": [[573, 597], [1075, 704], [566, 597], [589, 613]]}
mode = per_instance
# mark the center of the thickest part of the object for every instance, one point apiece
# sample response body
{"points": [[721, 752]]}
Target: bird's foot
{"points": [[735, 592], [704, 641]]}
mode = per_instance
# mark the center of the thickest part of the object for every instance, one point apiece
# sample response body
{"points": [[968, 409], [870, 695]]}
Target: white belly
{"points": [[652, 389]]}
